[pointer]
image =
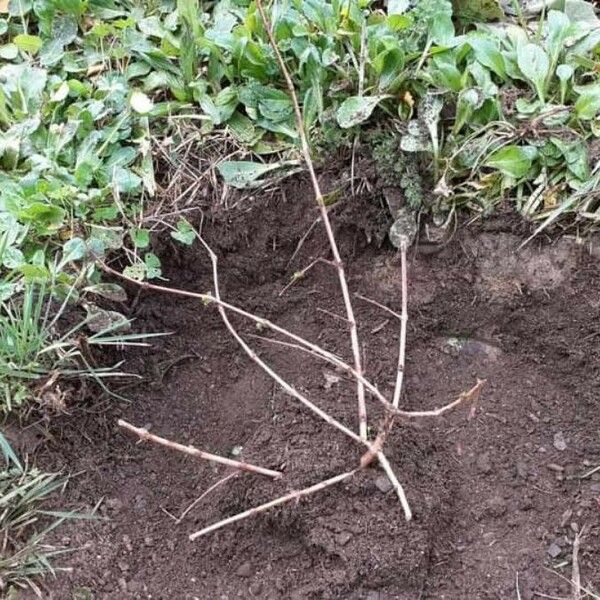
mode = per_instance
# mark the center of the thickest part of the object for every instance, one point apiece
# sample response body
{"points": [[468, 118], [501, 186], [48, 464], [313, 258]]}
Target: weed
{"points": [[25, 524]]}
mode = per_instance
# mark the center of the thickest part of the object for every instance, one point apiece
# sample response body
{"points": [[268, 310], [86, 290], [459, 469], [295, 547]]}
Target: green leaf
{"points": [[28, 43], [137, 271], [356, 109], [417, 138], [243, 174], [185, 233], [152, 263], [582, 12], [576, 157], [487, 53], [535, 65], [587, 105], [442, 30], [74, 249], [12, 258], [125, 180], [43, 214], [564, 72], [557, 31], [469, 100], [514, 161], [9, 51], [140, 238]]}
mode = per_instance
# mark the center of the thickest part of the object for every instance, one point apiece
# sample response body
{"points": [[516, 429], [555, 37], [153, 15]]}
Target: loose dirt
{"points": [[497, 498]]}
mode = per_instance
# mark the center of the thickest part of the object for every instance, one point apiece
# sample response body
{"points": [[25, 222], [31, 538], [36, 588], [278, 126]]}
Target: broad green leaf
{"points": [[587, 105], [417, 138], [152, 263], [125, 180], [12, 257], [442, 30], [564, 72], [28, 43], [557, 28], [60, 93], [42, 214], [9, 51], [487, 53], [137, 271], [514, 161], [140, 238], [34, 272], [110, 237], [582, 12], [469, 100], [185, 233], [535, 65], [576, 157], [356, 109], [74, 249]]}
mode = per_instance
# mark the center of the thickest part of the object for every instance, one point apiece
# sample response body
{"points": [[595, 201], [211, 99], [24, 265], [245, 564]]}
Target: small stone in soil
{"points": [[522, 470], [484, 464], [256, 588], [559, 441], [554, 550], [244, 570], [496, 507], [343, 538], [383, 484]]}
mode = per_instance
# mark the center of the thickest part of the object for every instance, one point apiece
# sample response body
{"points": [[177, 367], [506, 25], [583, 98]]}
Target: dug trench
{"points": [[497, 498]]}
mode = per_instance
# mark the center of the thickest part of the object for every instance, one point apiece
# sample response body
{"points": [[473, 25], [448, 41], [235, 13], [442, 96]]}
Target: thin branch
{"points": [[145, 435], [385, 465], [206, 493], [360, 390], [379, 305], [471, 395], [295, 495], [403, 325], [575, 574], [302, 240]]}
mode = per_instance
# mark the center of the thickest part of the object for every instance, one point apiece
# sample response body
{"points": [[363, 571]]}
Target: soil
{"points": [[498, 498]]}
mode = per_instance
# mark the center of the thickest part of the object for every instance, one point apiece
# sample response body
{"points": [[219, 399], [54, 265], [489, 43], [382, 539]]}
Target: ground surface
{"points": [[493, 496]]}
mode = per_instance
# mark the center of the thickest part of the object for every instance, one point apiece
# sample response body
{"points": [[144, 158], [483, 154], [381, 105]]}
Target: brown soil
{"points": [[493, 496]]}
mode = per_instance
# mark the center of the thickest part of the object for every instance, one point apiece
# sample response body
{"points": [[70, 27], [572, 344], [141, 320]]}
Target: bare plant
{"points": [[374, 450]]}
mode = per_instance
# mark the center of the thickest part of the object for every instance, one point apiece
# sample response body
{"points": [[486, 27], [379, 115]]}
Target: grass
{"points": [[25, 556]]}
